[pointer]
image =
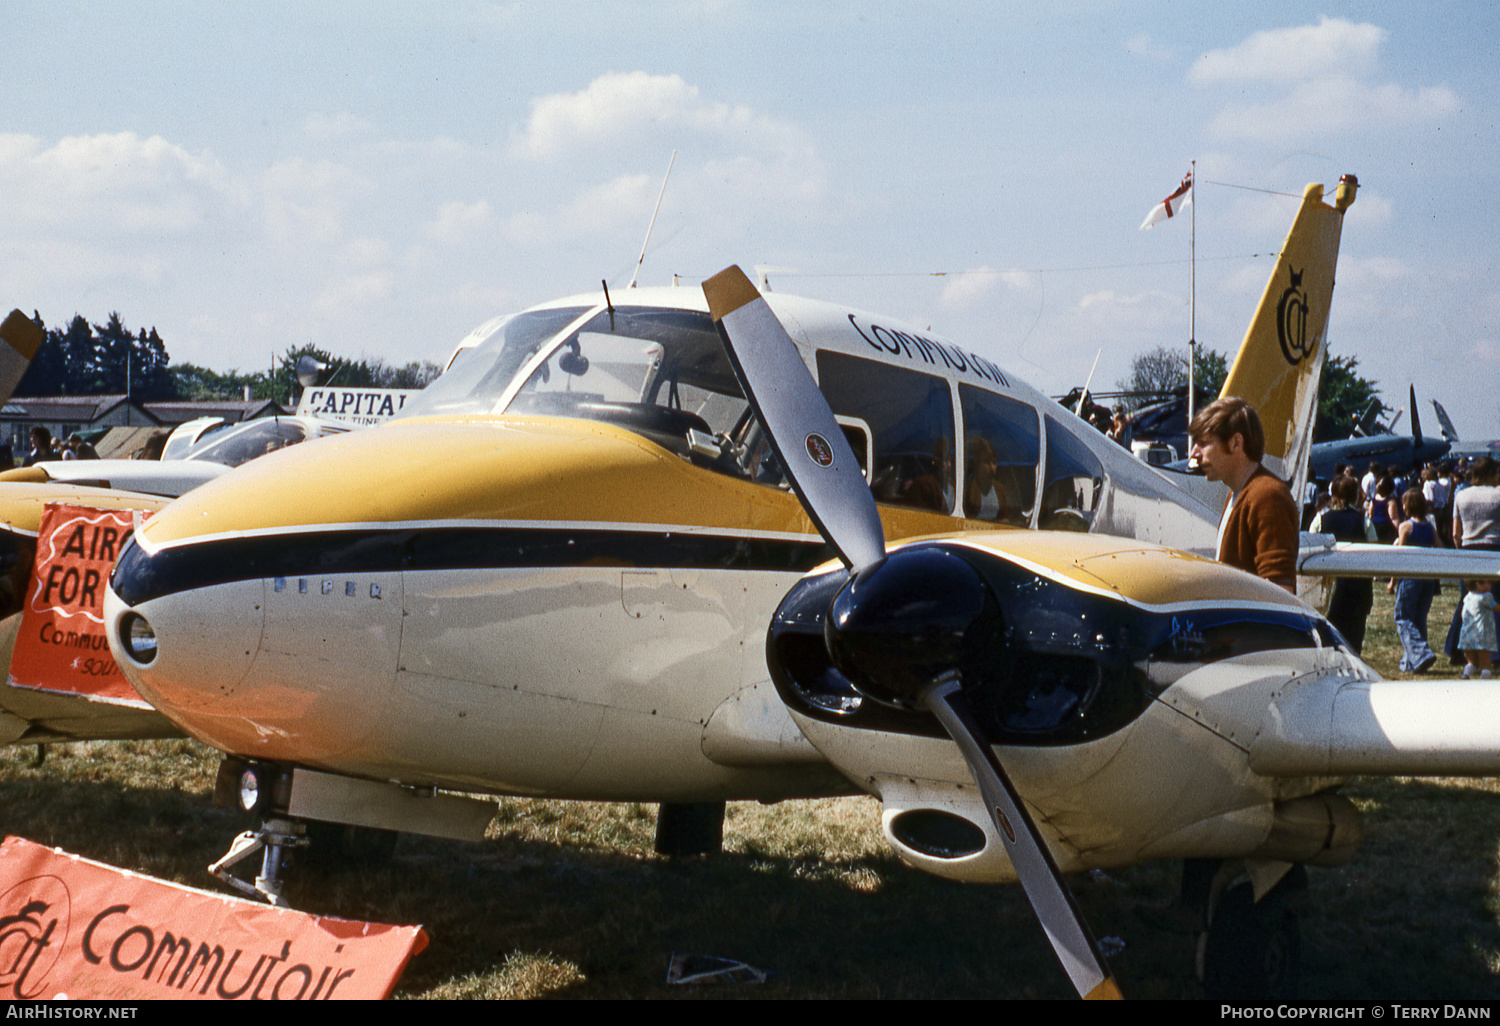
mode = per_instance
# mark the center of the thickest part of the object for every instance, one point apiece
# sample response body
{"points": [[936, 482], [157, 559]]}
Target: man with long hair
{"points": [[1258, 531]]}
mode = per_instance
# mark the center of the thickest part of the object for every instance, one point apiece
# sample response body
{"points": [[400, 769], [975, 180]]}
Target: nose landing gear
{"points": [[275, 839]]}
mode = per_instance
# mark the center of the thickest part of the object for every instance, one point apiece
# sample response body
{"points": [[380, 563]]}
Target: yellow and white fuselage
{"points": [[535, 604], [487, 597]]}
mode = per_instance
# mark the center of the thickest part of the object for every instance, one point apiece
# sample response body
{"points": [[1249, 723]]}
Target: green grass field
{"points": [[568, 899]]}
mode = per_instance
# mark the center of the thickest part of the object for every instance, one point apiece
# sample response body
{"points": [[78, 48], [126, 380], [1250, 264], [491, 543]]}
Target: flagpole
{"points": [[1192, 294]]}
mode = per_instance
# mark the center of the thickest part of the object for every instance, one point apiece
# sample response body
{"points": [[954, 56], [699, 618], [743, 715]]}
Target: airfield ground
{"points": [[568, 900]]}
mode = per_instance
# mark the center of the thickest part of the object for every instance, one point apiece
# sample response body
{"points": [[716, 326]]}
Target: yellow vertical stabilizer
{"points": [[1280, 361]]}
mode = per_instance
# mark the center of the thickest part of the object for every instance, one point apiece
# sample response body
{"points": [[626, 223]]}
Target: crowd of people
{"points": [[45, 447], [1452, 504]]}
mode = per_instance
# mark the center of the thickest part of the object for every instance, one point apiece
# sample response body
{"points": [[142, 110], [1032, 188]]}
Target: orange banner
{"points": [[62, 646], [71, 928]]}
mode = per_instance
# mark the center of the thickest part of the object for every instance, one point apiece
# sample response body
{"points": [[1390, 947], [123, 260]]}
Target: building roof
{"points": [[232, 410], [74, 408], [87, 409]]}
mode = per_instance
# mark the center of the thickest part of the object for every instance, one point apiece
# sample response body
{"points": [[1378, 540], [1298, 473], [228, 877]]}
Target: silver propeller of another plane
{"points": [[905, 624]]}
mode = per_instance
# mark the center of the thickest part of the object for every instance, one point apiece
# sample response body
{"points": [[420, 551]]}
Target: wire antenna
{"points": [[650, 227]]}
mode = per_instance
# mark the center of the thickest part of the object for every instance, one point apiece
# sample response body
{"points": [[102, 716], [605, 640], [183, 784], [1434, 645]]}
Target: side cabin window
{"points": [[1074, 482], [910, 420], [1002, 446]]}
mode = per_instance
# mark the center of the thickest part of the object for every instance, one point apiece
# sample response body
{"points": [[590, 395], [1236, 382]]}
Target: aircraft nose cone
{"points": [[271, 647], [164, 632]]}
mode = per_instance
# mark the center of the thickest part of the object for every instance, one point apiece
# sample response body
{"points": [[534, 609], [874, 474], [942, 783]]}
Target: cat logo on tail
{"points": [[1281, 359]]}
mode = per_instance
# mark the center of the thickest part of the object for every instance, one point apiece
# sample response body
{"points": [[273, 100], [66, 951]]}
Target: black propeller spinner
{"points": [[914, 617]]}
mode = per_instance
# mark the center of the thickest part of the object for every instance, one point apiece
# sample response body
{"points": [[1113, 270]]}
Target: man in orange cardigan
{"points": [[1258, 532]]}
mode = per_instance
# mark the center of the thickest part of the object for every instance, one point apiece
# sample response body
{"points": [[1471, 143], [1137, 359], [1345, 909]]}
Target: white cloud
{"points": [[734, 164], [1316, 80], [110, 182], [1142, 45], [625, 200], [1335, 105], [306, 202], [969, 288], [1114, 314], [1331, 47], [346, 298], [624, 105], [1373, 271], [1370, 209], [458, 222]]}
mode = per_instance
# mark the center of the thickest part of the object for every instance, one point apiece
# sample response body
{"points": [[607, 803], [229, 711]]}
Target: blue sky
{"points": [[379, 177]]}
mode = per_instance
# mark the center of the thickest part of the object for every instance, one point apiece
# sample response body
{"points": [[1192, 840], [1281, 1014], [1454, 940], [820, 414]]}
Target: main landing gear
{"points": [[1249, 950], [689, 828]]}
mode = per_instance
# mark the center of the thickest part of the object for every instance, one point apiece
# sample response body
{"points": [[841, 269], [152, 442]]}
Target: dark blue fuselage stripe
{"points": [[139, 577]]}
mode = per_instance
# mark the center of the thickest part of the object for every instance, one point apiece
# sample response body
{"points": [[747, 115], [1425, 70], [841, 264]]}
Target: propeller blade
{"points": [[20, 338], [823, 470], [808, 441], [1044, 886]]}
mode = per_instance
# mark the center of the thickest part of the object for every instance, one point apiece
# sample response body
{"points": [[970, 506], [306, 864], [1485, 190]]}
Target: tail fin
{"points": [[1416, 424], [1450, 433], [1281, 359]]}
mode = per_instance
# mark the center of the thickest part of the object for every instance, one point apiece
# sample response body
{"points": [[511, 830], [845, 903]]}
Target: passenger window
{"points": [[1074, 482], [1002, 445], [910, 419]]}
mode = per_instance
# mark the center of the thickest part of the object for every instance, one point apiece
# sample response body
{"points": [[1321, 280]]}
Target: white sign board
{"points": [[363, 406]]}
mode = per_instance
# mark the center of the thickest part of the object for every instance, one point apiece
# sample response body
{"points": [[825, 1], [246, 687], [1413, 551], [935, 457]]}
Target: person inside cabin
{"points": [[984, 495], [932, 490], [1258, 531]]}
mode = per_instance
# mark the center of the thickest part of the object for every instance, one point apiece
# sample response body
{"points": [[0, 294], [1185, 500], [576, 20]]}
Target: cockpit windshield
{"points": [[661, 373], [478, 376], [671, 359], [245, 442]]}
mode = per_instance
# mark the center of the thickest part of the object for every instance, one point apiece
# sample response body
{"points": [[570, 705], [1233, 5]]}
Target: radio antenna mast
{"points": [[652, 225]]}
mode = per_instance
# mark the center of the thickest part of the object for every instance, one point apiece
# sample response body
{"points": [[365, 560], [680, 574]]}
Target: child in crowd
{"points": [[1476, 635]]}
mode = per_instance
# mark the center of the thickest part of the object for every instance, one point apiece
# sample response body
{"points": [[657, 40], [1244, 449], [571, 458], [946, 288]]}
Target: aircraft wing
{"points": [[1319, 555], [1330, 725]]}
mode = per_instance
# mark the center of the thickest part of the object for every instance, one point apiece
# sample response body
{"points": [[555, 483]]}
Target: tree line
{"points": [[111, 359], [1344, 397]]}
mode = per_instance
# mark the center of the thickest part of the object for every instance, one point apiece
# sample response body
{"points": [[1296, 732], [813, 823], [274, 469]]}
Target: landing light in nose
{"points": [[137, 637]]}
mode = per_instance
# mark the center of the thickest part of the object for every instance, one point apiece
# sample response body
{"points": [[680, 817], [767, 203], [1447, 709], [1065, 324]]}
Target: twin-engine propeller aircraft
{"points": [[554, 577]]}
